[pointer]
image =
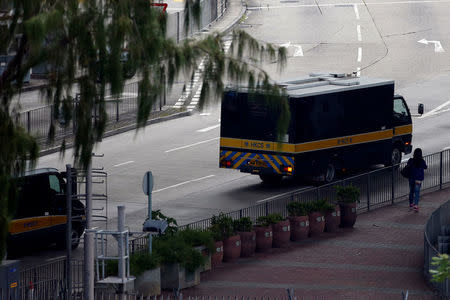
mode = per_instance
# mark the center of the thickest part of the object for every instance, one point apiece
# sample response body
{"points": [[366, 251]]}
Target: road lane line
{"points": [[359, 54], [125, 163], [183, 183], [208, 128], [358, 30], [355, 7], [435, 110], [191, 145]]}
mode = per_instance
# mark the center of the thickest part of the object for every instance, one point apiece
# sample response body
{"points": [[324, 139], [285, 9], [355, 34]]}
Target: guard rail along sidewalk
{"points": [[437, 241]]}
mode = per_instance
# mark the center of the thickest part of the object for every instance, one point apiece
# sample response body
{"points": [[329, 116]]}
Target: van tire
{"points": [[330, 173], [395, 157], [272, 179]]}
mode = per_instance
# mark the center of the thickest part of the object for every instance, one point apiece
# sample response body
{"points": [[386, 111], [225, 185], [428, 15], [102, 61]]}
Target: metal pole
{"points": [[121, 229], [440, 171], [368, 191], [69, 231], [393, 184], [88, 240], [149, 213]]}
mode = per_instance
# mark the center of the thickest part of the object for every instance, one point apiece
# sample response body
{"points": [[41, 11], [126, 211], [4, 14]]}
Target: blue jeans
{"points": [[414, 192]]}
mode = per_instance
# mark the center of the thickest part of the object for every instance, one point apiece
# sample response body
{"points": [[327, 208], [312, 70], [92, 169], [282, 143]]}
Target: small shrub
{"points": [[325, 206], [269, 219], [347, 194], [244, 224], [197, 237], [139, 263], [221, 227], [172, 225], [297, 209]]}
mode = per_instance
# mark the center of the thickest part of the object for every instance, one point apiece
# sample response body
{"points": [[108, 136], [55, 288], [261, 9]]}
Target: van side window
{"points": [[54, 183], [400, 110]]}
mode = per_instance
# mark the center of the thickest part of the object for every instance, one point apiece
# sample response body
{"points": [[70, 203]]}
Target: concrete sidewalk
{"points": [[377, 259]]}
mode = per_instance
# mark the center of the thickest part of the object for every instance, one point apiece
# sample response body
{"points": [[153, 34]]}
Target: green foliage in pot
{"points": [[244, 224], [297, 209], [139, 263], [347, 193], [197, 237], [221, 227], [324, 206], [173, 249], [269, 219]]}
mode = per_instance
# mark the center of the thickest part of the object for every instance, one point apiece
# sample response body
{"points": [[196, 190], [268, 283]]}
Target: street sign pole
{"points": [[147, 187]]}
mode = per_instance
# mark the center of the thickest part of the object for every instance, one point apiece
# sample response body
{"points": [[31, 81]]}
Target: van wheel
{"points": [[330, 173], [271, 179], [396, 157], [61, 244]]}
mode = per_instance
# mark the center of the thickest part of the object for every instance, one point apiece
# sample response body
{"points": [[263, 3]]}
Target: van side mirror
{"points": [[420, 109]]}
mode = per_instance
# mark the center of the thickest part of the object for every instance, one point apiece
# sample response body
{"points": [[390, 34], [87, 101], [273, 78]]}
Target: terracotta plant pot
{"points": [[281, 234], [332, 219], [316, 223], [263, 238], [348, 214], [217, 257], [299, 228], [248, 243], [232, 248]]}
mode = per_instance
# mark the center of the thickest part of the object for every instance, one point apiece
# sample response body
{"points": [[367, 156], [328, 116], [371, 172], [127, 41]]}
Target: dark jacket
{"points": [[417, 167]]}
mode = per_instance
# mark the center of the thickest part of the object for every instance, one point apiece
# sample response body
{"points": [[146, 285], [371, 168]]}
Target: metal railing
{"points": [[433, 229], [378, 188]]}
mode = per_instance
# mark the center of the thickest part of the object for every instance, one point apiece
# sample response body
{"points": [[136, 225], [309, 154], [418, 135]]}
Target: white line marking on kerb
{"points": [[280, 195], [187, 146], [436, 110], [208, 128], [125, 163], [183, 183], [355, 7], [358, 30], [359, 54], [446, 148]]}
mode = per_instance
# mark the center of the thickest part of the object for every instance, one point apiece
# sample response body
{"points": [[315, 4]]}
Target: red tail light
{"points": [[287, 169]]}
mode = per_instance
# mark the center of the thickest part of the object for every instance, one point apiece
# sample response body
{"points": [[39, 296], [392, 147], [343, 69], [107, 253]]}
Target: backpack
{"points": [[406, 171]]}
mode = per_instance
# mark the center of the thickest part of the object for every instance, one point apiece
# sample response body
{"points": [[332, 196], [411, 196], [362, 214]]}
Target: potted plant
{"points": [[264, 236], [316, 218], [280, 229], [244, 227], [180, 262], [145, 267], [299, 221], [202, 241], [231, 241], [348, 197], [217, 254], [332, 215]]}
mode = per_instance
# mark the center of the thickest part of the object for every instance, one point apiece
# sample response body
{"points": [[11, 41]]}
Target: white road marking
{"points": [[280, 195], [208, 128], [446, 148], [347, 4], [125, 163], [358, 30], [437, 45], [183, 183], [358, 71], [205, 114], [298, 50], [359, 54], [187, 146], [436, 110], [355, 7]]}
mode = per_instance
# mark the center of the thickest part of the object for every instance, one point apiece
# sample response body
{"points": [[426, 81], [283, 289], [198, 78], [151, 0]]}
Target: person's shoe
{"points": [[411, 206], [416, 208]]}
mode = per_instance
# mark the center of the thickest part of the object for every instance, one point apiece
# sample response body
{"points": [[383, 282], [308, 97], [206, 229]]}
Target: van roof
{"points": [[40, 171], [323, 83]]}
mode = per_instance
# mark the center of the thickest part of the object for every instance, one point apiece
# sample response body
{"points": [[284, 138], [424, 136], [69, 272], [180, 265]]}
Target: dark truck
{"points": [[338, 122], [40, 217]]}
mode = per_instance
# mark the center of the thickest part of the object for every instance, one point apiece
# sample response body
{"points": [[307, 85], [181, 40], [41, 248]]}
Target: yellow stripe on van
{"points": [[226, 155], [236, 165], [271, 163], [402, 130], [29, 224]]}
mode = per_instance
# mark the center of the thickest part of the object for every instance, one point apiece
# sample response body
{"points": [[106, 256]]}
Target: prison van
{"points": [[338, 122], [40, 216]]}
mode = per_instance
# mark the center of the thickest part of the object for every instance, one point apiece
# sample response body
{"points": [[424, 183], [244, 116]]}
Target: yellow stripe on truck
{"points": [[314, 145], [402, 130], [29, 224]]}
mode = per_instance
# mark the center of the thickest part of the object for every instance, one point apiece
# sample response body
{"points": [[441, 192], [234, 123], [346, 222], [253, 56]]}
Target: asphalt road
{"points": [[378, 37]]}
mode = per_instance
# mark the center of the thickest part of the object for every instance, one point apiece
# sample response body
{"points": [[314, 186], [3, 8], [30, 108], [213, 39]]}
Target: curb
{"points": [[123, 129]]}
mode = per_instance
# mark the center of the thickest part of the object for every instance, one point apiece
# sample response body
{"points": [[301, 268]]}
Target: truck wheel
{"points": [[61, 244], [271, 179], [396, 157], [330, 173]]}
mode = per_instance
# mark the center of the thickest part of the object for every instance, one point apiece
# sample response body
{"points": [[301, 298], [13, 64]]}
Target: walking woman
{"points": [[417, 165]]}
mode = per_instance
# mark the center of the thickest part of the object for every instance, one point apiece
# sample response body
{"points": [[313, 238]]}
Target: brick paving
{"points": [[377, 259]]}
